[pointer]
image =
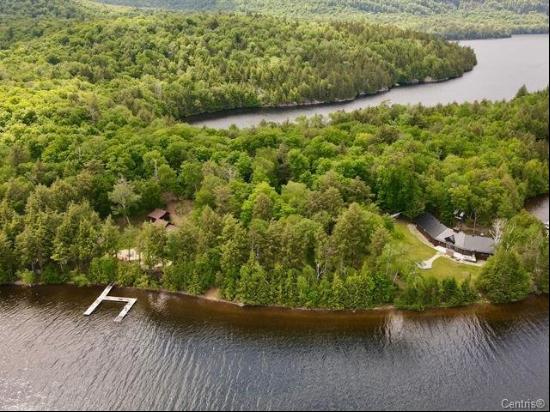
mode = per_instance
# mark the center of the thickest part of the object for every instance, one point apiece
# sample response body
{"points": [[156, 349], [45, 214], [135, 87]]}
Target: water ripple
{"points": [[176, 353]]}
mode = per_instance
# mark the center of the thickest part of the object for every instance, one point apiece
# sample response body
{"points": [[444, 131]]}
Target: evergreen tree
{"points": [[503, 279]]}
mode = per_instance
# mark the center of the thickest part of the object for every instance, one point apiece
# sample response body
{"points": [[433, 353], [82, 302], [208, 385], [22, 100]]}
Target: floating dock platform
{"points": [[105, 296]]}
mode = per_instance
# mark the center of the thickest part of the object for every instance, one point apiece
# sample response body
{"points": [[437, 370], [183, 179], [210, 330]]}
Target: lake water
{"points": [[173, 352], [539, 206], [504, 65]]}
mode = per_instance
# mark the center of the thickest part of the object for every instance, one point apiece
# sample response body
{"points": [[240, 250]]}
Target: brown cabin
{"points": [[158, 215]]}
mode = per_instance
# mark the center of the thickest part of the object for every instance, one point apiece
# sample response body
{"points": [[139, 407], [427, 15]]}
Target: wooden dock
{"points": [[105, 296]]}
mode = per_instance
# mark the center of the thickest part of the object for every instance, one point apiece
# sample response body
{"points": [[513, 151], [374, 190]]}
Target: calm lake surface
{"points": [[504, 65], [173, 352]]}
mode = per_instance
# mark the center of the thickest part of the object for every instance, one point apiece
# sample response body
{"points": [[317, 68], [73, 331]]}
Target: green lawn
{"points": [[442, 267]]}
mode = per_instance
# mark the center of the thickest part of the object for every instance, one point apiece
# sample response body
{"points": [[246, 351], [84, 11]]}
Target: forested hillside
{"points": [[179, 65], [40, 8], [456, 19], [29, 19]]}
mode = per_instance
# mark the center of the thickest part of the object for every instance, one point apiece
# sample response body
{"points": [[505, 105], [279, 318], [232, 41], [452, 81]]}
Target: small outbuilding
{"points": [[161, 218], [158, 214]]}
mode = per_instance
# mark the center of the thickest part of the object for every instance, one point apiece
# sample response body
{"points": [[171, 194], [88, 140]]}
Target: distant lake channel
{"points": [[504, 65]]}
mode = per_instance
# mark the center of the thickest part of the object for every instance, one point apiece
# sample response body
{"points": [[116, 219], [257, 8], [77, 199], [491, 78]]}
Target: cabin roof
{"points": [[479, 244], [431, 225], [158, 214]]}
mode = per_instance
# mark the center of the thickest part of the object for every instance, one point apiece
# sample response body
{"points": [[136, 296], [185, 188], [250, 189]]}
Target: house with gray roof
{"points": [[440, 235]]}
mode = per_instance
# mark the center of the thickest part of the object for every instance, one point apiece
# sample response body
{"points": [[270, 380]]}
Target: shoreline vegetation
{"points": [[213, 295], [222, 113], [481, 303]]}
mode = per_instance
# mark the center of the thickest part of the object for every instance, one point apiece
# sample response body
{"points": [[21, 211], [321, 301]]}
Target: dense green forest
{"points": [[295, 214], [63, 9], [179, 65], [28, 19], [455, 19]]}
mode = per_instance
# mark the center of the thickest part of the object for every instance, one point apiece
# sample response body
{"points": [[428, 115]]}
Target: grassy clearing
{"points": [[417, 250], [442, 267]]}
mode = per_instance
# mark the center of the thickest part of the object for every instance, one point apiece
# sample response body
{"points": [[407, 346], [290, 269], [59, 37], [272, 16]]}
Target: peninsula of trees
{"points": [[180, 65], [453, 19], [92, 139], [295, 215]]}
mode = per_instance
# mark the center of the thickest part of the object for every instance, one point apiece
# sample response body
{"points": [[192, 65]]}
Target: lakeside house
{"points": [[440, 235]]}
